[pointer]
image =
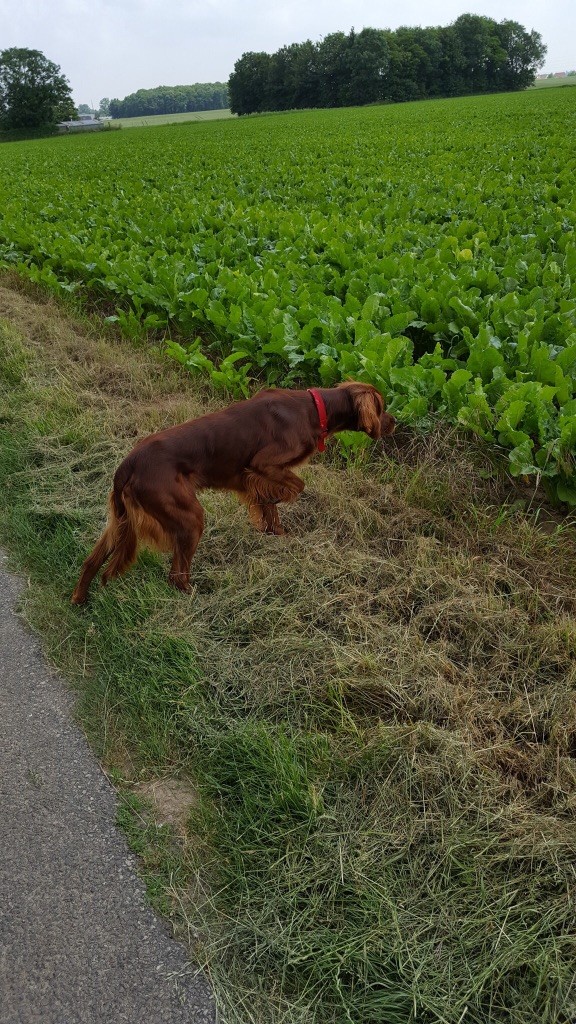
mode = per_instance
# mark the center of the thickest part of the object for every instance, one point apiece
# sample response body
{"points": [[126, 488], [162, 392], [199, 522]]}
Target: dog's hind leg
{"points": [[90, 567], [180, 517], [186, 540]]}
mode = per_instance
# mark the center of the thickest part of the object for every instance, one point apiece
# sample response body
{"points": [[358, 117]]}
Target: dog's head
{"points": [[369, 410]]}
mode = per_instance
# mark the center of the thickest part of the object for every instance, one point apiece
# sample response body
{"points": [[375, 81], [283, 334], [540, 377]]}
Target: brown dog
{"points": [[251, 448]]}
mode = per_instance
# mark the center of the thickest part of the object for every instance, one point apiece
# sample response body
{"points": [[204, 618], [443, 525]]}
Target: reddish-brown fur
{"points": [[251, 448]]}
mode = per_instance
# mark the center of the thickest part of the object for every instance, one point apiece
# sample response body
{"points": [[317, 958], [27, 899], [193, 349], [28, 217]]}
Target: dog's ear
{"points": [[369, 406]]}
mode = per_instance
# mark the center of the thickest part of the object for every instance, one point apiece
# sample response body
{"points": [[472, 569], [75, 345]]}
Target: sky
{"points": [[114, 47]]}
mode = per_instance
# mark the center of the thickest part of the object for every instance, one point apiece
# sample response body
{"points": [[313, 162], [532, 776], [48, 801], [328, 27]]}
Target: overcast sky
{"points": [[113, 47]]}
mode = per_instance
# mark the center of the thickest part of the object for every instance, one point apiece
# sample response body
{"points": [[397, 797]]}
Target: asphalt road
{"points": [[78, 942]]}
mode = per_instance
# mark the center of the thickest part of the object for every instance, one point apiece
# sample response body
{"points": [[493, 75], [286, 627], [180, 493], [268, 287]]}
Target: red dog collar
{"points": [[322, 416]]}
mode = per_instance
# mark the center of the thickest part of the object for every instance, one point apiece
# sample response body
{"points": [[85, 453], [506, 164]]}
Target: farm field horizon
{"points": [[371, 721], [154, 120], [552, 83]]}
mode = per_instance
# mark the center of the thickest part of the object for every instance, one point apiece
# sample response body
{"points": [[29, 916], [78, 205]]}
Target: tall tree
{"points": [[249, 83], [406, 79], [280, 88], [415, 55], [524, 54], [104, 108], [33, 92], [304, 76], [474, 36], [332, 66], [367, 63]]}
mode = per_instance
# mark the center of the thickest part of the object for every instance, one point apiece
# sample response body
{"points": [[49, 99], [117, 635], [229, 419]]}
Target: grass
{"points": [[374, 717], [152, 120]]}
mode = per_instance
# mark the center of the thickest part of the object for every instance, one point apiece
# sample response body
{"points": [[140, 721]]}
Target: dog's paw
{"points": [[179, 583], [277, 530]]}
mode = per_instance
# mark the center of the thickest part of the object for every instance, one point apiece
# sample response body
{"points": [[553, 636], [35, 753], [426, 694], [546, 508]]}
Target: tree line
{"points": [[475, 54], [177, 99]]}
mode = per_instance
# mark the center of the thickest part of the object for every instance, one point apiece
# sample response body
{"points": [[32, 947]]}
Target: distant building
{"points": [[84, 123], [559, 74]]}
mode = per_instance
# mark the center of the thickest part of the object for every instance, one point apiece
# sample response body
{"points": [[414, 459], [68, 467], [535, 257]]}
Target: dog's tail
{"points": [[119, 542]]}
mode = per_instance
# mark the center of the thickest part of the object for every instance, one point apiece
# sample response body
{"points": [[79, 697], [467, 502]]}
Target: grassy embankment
{"points": [[362, 736]]}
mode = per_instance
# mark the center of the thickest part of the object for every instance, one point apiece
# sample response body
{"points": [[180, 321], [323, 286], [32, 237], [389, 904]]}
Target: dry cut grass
{"points": [[378, 711]]}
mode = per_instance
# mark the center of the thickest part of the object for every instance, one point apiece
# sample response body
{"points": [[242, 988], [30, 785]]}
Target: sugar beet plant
{"points": [[427, 248]]}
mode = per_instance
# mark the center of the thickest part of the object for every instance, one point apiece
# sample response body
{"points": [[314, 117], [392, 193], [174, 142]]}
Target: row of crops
{"points": [[428, 248]]}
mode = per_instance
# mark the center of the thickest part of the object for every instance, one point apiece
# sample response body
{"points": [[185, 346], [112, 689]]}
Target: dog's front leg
{"points": [[263, 515], [265, 518], [266, 484], [272, 486]]}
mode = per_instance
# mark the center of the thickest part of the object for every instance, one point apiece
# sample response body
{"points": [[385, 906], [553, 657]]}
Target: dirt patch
{"points": [[172, 801]]}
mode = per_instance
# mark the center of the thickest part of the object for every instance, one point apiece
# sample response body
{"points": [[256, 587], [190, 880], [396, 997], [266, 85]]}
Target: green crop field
{"points": [[428, 247]]}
